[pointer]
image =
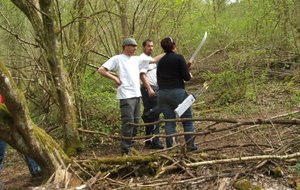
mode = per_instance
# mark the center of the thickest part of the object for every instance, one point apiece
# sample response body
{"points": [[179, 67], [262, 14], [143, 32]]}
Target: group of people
{"points": [[162, 90]]}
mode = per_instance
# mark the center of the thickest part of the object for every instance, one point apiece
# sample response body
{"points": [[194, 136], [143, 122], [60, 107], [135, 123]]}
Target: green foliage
{"points": [[294, 89], [297, 167], [100, 103], [232, 85]]}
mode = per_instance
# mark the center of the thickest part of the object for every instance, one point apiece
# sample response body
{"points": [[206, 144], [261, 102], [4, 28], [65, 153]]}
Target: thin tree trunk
{"points": [[83, 59], [122, 5]]}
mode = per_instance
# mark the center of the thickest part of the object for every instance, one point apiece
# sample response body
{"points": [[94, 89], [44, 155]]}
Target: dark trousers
{"points": [[130, 113], [169, 99], [151, 114]]}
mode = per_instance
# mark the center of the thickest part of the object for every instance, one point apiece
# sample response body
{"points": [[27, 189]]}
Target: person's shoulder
{"points": [[145, 57], [135, 57], [142, 55], [179, 56], [118, 56]]}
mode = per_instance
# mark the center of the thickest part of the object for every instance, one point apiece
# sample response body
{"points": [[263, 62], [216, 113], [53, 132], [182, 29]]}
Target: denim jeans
{"points": [[2, 153], [151, 114], [168, 100], [130, 112], [33, 167]]}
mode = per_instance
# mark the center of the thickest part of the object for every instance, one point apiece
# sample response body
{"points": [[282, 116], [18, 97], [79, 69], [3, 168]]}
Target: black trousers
{"points": [[151, 114]]}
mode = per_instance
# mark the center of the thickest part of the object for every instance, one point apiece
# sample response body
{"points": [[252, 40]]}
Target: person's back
{"points": [[172, 71]]}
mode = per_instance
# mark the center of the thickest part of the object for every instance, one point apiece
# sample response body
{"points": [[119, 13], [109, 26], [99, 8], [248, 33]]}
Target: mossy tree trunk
{"points": [[41, 15], [18, 130]]}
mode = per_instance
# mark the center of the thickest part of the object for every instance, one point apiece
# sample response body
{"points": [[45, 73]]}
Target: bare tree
{"points": [[41, 15]]}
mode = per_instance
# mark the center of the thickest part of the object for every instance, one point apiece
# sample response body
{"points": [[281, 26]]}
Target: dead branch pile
{"points": [[229, 150]]}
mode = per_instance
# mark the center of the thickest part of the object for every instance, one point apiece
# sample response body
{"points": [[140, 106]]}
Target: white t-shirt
{"points": [[150, 70], [128, 69]]}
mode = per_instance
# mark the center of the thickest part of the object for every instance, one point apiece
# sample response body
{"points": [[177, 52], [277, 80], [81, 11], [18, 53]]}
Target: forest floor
{"points": [[246, 141]]}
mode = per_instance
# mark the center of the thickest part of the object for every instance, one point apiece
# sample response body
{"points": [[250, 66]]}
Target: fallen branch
{"points": [[248, 158], [120, 160], [170, 181], [236, 123]]}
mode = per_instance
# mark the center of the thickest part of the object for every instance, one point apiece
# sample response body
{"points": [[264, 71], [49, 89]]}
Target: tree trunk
{"points": [[19, 131], [122, 5], [43, 24], [83, 59]]}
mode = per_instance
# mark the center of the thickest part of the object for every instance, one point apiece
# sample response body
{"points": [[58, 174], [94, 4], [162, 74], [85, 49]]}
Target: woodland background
{"points": [[53, 48]]}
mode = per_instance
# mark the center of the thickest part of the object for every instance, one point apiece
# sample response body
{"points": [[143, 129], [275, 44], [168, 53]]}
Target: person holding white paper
{"points": [[172, 72]]}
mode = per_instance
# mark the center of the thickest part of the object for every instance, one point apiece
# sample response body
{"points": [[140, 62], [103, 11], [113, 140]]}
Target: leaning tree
{"points": [[19, 131]]}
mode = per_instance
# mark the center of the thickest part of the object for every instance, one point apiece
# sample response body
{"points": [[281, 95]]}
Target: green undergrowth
{"points": [[101, 106], [271, 98]]}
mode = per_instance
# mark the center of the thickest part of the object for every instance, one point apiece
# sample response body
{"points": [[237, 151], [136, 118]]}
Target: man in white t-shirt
{"points": [[128, 68], [149, 97]]}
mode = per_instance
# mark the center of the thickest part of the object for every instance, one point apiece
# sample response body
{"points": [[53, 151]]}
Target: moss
{"points": [[245, 184], [277, 172], [49, 144]]}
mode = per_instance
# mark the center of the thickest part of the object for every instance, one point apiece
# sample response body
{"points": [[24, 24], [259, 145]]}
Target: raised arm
{"points": [[157, 58]]}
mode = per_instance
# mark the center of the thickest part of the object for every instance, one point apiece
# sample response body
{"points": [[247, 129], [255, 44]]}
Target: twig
{"points": [[179, 165], [82, 168], [17, 37]]}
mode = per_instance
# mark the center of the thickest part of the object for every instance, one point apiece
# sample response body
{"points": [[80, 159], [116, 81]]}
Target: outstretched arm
{"points": [[157, 58]]}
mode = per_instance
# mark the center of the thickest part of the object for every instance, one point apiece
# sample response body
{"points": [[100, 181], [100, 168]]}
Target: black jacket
{"points": [[172, 71]]}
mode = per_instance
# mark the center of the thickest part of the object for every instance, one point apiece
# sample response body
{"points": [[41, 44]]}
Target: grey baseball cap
{"points": [[129, 41]]}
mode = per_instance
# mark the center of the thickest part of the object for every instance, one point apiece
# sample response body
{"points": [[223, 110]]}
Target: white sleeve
{"points": [[111, 64], [144, 66], [144, 63]]}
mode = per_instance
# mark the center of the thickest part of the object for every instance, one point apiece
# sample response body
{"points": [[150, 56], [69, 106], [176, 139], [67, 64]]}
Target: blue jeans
{"points": [[151, 114], [2, 153], [168, 100], [130, 112], [33, 167]]}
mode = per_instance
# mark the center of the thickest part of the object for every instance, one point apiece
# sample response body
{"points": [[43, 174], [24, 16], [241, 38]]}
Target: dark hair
{"points": [[168, 44], [145, 42]]}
